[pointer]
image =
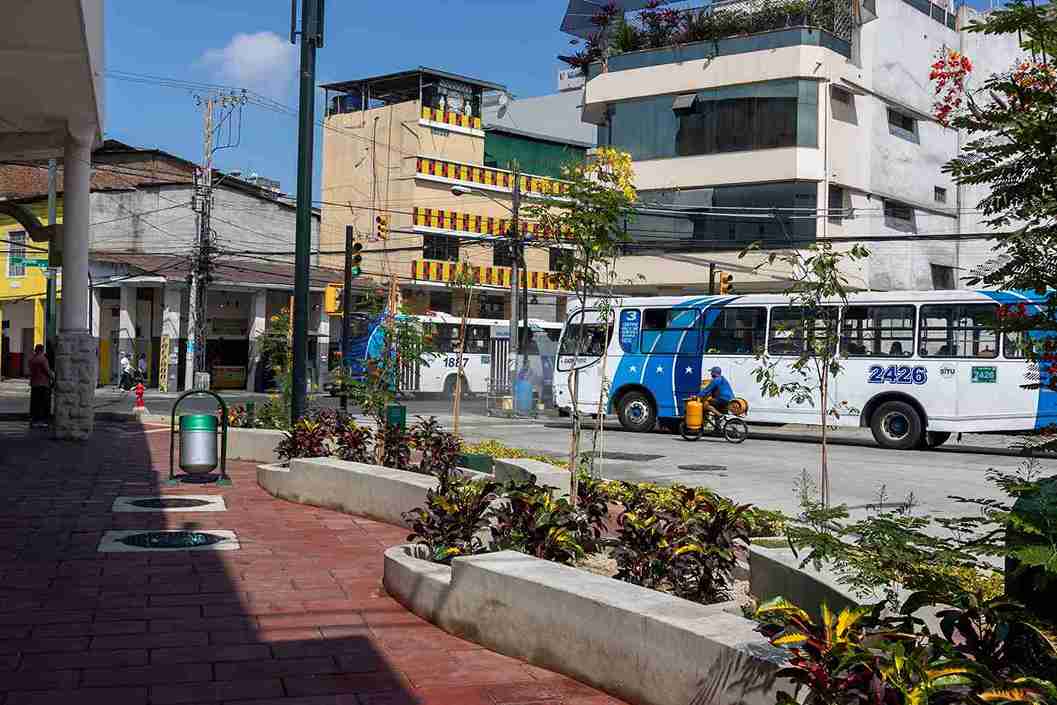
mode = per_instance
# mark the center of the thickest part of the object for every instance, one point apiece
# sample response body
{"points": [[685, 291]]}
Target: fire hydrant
{"points": [[140, 407]]}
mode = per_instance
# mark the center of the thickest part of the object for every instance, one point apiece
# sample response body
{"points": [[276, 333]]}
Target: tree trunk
{"points": [[824, 468], [574, 445], [456, 402]]}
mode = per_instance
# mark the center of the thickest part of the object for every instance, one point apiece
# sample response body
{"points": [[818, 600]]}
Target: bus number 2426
{"points": [[898, 374]]}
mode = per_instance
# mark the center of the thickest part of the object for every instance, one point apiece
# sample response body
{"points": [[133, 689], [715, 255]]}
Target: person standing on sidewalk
{"points": [[40, 380]]}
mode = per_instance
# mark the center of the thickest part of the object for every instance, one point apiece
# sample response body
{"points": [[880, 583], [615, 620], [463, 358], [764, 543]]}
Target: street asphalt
{"points": [[764, 470]]}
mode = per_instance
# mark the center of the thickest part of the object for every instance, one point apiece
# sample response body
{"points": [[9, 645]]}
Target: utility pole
{"points": [[515, 271], [711, 278], [311, 39], [203, 204], [346, 311]]}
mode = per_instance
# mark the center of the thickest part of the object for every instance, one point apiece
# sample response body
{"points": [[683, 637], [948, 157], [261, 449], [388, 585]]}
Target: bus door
{"points": [[793, 330], [583, 345]]}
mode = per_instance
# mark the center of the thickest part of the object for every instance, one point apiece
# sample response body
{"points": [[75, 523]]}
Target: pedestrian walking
{"points": [[40, 381], [142, 367]]}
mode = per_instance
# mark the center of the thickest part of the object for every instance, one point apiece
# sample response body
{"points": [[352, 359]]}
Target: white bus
{"points": [[486, 358], [917, 365]]}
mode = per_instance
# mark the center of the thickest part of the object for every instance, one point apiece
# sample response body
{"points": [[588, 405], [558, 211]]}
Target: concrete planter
{"points": [[253, 444], [372, 491], [635, 643]]}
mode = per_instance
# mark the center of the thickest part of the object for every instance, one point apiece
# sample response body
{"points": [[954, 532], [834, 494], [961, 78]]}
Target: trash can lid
{"points": [[198, 422]]}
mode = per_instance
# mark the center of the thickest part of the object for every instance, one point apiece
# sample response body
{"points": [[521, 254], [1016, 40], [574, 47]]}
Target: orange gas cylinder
{"points": [[695, 414]]}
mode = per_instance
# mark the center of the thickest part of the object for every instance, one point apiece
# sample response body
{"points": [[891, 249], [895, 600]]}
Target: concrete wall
{"points": [[638, 644], [165, 223]]}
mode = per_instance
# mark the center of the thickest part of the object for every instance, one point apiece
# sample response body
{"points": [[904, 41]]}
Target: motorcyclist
{"points": [[718, 394]]}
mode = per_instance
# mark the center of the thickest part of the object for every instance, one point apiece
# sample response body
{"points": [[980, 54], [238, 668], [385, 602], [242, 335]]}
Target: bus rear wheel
{"points": [[636, 412], [897, 425]]}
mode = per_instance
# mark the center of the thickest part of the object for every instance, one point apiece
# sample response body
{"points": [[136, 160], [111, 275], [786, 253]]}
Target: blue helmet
{"points": [[716, 371]]}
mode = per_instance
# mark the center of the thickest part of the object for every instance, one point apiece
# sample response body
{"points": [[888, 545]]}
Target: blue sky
{"points": [[245, 43]]}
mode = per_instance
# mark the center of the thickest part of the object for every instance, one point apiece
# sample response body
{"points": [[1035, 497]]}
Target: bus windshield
{"points": [[586, 339]]}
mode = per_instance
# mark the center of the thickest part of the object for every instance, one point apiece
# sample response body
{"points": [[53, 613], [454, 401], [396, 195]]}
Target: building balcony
{"points": [[486, 178], [437, 220], [451, 120], [447, 272]]}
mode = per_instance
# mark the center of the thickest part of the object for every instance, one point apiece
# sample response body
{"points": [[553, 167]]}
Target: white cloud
{"points": [[263, 62]]}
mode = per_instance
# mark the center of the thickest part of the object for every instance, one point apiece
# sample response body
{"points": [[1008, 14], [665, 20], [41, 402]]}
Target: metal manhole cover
{"points": [[613, 455], [171, 539], [170, 503], [704, 468]]}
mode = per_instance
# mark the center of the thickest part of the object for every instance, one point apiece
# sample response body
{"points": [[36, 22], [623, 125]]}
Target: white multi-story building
{"points": [[809, 121]]}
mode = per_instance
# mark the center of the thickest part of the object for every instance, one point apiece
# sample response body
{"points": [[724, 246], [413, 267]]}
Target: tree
{"points": [[818, 290], [463, 281], [1012, 150], [587, 218]]}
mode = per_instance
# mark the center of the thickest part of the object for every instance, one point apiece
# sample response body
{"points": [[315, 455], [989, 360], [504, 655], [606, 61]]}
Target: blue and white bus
{"points": [[917, 365], [485, 363]]}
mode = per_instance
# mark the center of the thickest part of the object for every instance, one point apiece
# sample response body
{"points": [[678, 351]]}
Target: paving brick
{"points": [[161, 640], [324, 647], [38, 646], [212, 654], [344, 683], [148, 675], [84, 696], [89, 629], [86, 659], [216, 692], [327, 619], [39, 680], [274, 668]]}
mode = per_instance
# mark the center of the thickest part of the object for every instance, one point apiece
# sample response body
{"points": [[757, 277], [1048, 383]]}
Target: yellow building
{"points": [[23, 291], [396, 148]]}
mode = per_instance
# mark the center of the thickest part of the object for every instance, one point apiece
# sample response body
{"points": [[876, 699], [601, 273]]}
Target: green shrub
{"points": [[531, 520], [451, 522], [307, 439]]}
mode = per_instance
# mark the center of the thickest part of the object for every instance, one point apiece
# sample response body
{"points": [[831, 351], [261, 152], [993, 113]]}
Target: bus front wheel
{"points": [[897, 425], [934, 439], [636, 412]]}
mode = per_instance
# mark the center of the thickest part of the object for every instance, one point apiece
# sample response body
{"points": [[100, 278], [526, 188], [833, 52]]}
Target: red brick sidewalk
{"points": [[297, 616]]}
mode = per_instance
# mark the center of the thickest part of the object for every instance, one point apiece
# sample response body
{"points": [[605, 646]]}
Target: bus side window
{"points": [[737, 331], [958, 330], [789, 324], [667, 331], [878, 331]]}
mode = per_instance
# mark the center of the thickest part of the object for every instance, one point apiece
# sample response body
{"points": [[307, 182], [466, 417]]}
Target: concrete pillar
{"points": [[127, 315], [77, 352], [169, 355], [258, 322], [95, 301]]}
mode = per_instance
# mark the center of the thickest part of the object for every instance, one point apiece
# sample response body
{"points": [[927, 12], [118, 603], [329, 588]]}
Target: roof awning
{"points": [[577, 20]]}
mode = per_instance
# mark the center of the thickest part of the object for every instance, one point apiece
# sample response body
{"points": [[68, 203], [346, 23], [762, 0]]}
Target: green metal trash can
{"points": [[198, 443], [396, 415]]}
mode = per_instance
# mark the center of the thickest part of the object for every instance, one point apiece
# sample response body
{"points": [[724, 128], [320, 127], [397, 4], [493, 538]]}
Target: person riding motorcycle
{"points": [[718, 394]]}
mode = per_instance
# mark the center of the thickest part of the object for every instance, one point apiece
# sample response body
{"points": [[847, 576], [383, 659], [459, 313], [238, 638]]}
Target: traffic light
{"points": [[332, 297], [357, 259], [382, 225], [726, 283]]}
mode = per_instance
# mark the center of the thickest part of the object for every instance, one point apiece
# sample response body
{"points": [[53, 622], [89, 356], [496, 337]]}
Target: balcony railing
{"points": [[444, 272], [449, 117], [440, 219], [489, 177]]}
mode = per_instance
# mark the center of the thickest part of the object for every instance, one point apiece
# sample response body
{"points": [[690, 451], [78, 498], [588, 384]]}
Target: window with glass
{"points": [[1024, 344], [492, 306], [877, 331], [836, 204], [445, 337], [443, 248], [16, 254], [585, 340], [958, 330], [667, 331], [441, 301], [794, 329], [478, 340], [762, 115], [736, 331]]}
